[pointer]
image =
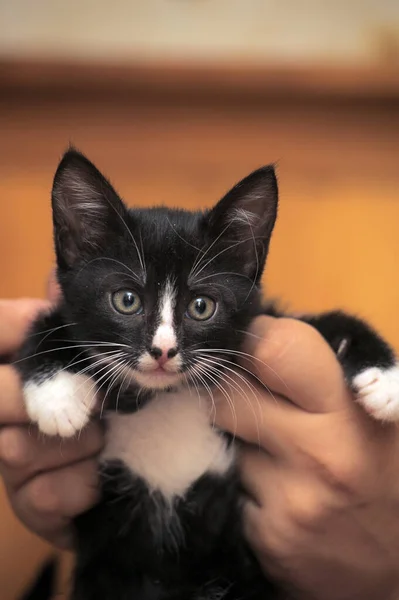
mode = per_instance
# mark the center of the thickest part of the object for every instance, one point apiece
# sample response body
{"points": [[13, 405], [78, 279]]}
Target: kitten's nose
{"points": [[162, 355]]}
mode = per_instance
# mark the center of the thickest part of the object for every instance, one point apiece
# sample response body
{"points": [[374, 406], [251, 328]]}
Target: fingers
{"points": [[49, 501], [48, 480], [296, 373], [293, 359], [68, 491], [256, 467], [259, 417], [25, 453], [17, 315], [265, 503], [15, 318], [12, 408]]}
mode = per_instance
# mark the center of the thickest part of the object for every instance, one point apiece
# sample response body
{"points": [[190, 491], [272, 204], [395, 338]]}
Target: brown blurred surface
{"points": [[336, 242]]}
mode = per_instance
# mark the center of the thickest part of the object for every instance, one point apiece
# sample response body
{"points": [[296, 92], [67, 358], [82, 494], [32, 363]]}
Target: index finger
{"points": [[15, 318], [12, 407], [292, 359]]}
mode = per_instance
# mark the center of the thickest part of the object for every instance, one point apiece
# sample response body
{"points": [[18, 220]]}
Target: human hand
{"points": [[48, 481], [321, 476]]}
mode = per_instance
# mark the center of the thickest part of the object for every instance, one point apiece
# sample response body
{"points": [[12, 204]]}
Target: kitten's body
{"points": [[168, 526]]}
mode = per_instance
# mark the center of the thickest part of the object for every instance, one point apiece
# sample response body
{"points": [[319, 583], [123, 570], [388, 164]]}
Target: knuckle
{"points": [[282, 335], [306, 512], [342, 474], [14, 448], [42, 495]]}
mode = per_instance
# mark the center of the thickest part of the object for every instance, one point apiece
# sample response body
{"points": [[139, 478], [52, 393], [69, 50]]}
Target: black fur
{"points": [[136, 544], [193, 555], [357, 345]]}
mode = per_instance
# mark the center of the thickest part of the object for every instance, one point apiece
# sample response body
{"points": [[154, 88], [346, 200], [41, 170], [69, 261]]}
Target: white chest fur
{"points": [[170, 442]]}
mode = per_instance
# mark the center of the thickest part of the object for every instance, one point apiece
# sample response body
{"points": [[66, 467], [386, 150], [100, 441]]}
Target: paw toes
{"points": [[60, 405], [378, 392]]}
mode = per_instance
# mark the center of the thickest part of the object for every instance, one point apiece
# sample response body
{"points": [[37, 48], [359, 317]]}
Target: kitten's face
{"points": [[171, 292]]}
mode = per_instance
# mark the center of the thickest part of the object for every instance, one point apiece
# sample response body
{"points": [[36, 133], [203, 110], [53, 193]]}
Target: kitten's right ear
{"points": [[85, 209]]}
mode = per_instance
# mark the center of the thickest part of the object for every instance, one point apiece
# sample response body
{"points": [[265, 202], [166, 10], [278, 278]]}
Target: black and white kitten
{"points": [[154, 309]]}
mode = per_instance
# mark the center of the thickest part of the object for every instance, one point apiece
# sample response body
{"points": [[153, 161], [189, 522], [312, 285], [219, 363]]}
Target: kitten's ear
{"points": [[86, 209], [243, 221]]}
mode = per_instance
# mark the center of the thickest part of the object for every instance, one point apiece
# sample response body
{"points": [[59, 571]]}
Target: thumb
{"points": [[53, 289], [291, 358]]}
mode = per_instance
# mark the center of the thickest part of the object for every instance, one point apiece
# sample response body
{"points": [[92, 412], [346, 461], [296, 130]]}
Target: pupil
{"points": [[128, 299], [200, 306]]}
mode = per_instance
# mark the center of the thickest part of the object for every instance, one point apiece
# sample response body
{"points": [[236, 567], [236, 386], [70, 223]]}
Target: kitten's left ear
{"points": [[244, 218]]}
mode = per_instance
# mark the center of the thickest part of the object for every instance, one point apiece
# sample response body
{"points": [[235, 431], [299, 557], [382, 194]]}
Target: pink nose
{"points": [[162, 355]]}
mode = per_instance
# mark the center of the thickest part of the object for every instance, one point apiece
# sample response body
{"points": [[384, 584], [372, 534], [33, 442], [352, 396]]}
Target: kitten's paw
{"points": [[378, 392], [61, 405]]}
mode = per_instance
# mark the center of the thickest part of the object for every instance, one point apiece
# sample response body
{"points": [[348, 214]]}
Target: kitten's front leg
{"points": [[58, 397], [369, 363]]}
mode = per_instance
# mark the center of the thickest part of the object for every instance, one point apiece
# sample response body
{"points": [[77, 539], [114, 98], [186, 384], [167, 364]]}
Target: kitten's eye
{"points": [[127, 302], [201, 308]]}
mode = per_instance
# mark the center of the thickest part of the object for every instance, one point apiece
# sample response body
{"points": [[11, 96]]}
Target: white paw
{"points": [[378, 392], [61, 405]]}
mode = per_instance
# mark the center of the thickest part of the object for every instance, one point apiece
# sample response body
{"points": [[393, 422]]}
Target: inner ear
{"points": [[242, 222], [86, 209]]}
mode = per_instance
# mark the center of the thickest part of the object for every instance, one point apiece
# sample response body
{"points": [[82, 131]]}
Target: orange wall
{"points": [[336, 242]]}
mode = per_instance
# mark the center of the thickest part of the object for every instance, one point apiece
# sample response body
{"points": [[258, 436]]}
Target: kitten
{"points": [[155, 307]]}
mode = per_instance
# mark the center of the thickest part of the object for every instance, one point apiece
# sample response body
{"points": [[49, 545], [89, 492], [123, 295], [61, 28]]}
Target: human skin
{"points": [[320, 475], [48, 481]]}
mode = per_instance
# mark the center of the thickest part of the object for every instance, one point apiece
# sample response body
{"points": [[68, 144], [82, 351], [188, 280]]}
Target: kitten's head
{"points": [[162, 296]]}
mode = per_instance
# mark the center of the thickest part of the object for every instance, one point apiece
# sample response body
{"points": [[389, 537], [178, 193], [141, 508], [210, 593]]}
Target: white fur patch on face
{"points": [[165, 336], [170, 442], [148, 374], [62, 404], [377, 390]]}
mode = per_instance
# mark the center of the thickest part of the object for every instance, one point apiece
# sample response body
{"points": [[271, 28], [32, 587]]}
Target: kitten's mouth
{"points": [[159, 371], [158, 378]]}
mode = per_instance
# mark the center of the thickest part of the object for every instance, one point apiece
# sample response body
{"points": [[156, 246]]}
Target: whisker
{"points": [[115, 354], [94, 342], [198, 271], [209, 390], [140, 257], [245, 354], [106, 376], [121, 390], [103, 258], [90, 390], [257, 258], [182, 238], [112, 382], [193, 272], [120, 367], [239, 366], [50, 330], [70, 347], [239, 388], [222, 273], [218, 385]]}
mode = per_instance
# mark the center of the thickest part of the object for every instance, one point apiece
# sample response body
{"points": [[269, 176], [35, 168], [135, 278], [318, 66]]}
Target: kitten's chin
{"points": [[156, 380]]}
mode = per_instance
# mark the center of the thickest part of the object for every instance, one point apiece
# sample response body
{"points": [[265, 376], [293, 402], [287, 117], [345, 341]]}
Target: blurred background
{"points": [[175, 100]]}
